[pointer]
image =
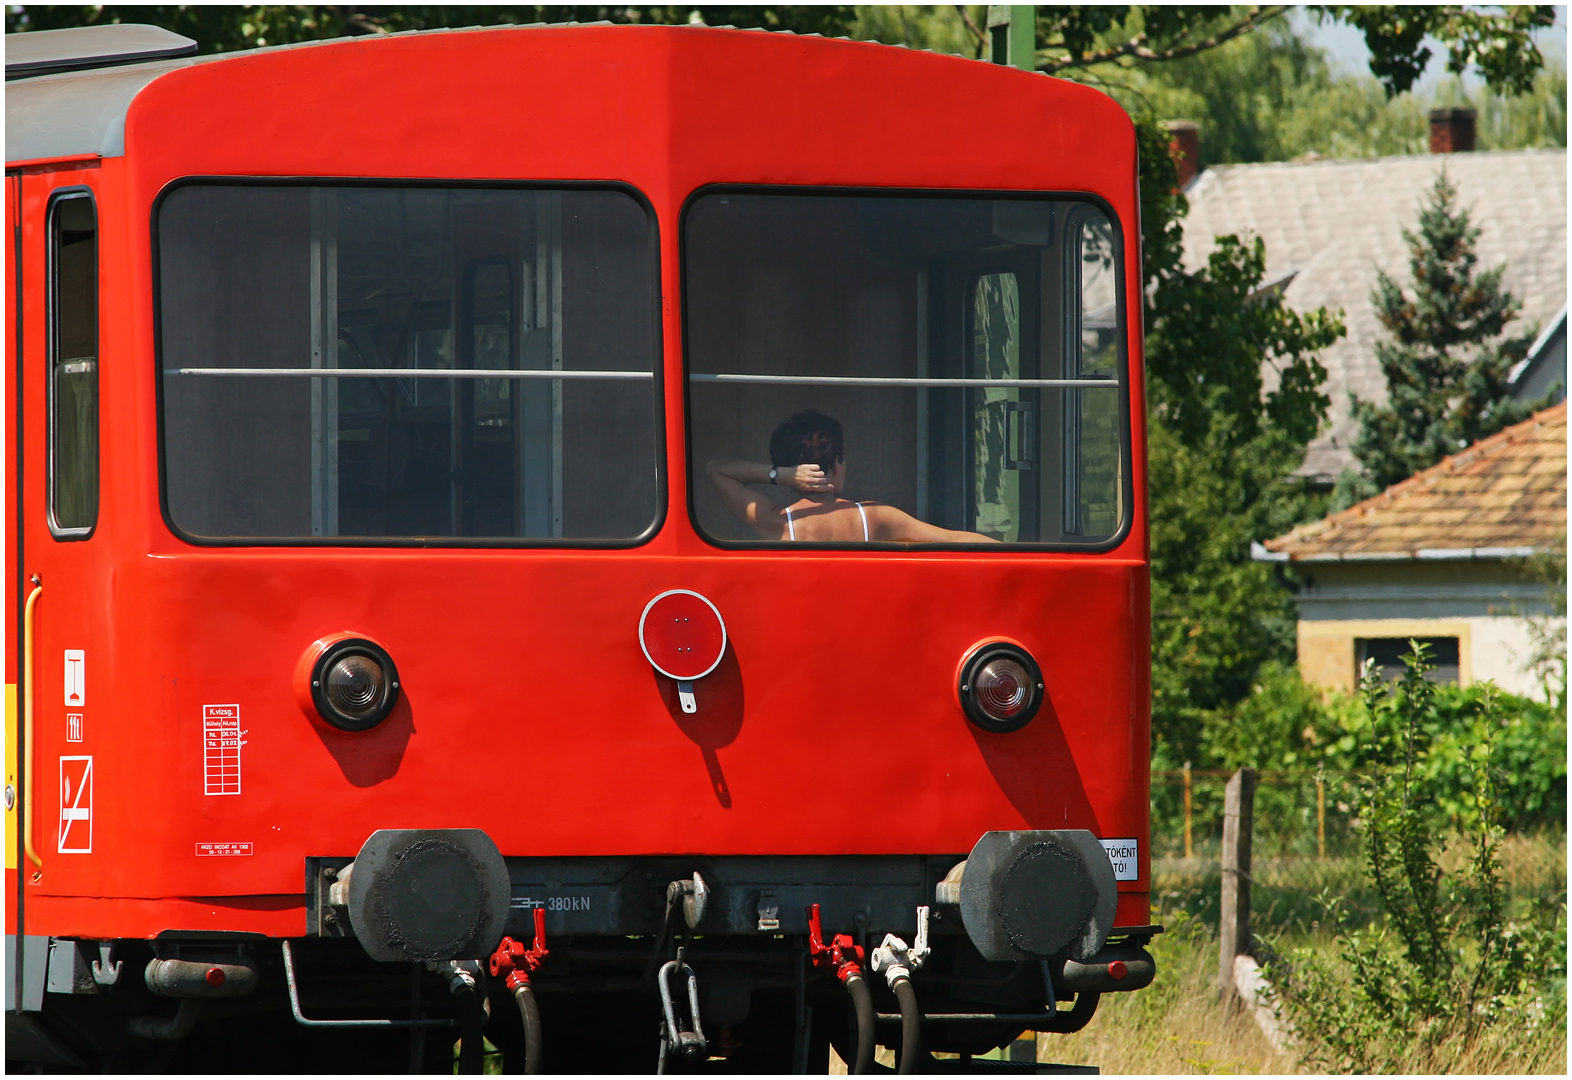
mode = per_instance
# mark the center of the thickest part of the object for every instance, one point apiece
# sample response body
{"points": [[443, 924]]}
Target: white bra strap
{"points": [[864, 513]]}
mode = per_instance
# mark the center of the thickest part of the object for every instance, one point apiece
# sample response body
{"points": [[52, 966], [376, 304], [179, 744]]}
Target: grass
{"points": [[1179, 1025]]}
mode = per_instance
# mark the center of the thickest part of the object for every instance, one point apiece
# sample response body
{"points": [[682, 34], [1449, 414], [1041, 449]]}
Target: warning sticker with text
{"points": [[228, 847], [1124, 854]]}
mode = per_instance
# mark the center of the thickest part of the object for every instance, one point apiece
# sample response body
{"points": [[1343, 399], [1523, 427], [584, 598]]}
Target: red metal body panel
{"points": [[532, 656], [9, 591]]}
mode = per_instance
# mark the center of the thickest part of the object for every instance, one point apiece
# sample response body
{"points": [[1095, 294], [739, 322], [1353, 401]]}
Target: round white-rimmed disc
{"points": [[682, 635]]}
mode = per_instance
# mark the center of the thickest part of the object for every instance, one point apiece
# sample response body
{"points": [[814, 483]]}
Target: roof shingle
{"points": [[1337, 222], [1507, 493]]}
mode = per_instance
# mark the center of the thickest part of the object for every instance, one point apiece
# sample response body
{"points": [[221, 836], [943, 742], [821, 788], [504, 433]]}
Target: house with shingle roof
{"points": [[1330, 225], [1441, 556]]}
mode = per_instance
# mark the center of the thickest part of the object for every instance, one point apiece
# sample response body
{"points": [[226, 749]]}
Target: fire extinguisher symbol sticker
{"points": [[76, 806], [75, 678]]}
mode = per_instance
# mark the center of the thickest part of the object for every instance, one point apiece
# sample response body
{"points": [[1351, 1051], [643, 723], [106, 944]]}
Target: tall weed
{"points": [[1451, 955]]}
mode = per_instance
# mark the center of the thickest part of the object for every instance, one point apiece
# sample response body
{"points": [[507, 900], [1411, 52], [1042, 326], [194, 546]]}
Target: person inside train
{"points": [[808, 457]]}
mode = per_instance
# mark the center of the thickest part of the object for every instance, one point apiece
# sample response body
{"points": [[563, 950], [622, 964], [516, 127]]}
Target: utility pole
{"points": [[1012, 35]]}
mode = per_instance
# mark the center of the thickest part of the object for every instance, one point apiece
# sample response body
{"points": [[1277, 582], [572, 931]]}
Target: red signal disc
{"points": [[682, 635]]}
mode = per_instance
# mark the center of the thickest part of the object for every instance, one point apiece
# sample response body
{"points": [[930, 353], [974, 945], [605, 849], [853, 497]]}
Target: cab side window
{"points": [[73, 365]]}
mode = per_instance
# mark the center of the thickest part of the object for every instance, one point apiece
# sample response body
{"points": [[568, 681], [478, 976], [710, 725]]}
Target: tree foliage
{"points": [[227, 27], [1221, 450], [1447, 363], [1499, 44]]}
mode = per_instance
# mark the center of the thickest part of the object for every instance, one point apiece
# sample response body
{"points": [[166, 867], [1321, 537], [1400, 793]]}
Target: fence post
{"points": [[1234, 925], [1320, 815], [1189, 848]]}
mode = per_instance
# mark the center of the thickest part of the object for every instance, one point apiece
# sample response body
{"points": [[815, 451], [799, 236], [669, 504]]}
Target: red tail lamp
{"points": [[1001, 687], [347, 682], [683, 638]]}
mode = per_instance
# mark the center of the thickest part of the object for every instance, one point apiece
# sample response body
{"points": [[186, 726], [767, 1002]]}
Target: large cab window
{"points": [[353, 364], [961, 356]]}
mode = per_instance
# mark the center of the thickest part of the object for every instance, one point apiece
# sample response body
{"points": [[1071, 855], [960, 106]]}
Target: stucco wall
{"points": [[1489, 606]]}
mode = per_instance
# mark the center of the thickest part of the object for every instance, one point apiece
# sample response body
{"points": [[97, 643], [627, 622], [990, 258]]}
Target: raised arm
{"points": [[730, 478], [894, 524]]}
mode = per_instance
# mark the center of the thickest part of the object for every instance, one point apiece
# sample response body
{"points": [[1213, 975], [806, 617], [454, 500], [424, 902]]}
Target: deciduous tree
{"points": [[1222, 449]]}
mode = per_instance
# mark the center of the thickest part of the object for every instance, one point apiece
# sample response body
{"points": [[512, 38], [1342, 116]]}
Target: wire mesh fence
{"points": [[1297, 812]]}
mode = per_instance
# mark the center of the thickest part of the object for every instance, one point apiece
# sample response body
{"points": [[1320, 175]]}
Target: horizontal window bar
{"points": [[842, 380], [412, 373]]}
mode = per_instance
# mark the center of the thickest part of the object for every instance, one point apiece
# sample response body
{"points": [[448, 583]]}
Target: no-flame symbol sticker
{"points": [[76, 806]]}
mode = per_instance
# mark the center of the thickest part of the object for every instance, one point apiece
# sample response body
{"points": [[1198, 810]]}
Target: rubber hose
{"points": [[472, 1051], [531, 1016], [911, 1025], [862, 1001]]}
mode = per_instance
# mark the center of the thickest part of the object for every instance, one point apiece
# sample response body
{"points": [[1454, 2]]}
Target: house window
{"points": [[1388, 655]]}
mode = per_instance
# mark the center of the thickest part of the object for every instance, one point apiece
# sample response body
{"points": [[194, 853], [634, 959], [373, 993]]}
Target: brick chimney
{"points": [[1451, 131], [1185, 148]]}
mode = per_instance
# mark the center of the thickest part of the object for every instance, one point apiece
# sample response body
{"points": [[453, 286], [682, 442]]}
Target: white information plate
{"points": [[1124, 854]]}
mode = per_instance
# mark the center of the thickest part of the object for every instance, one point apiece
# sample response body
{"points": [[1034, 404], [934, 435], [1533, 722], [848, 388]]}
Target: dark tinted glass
{"points": [[73, 367], [1388, 655], [493, 353], [969, 349]]}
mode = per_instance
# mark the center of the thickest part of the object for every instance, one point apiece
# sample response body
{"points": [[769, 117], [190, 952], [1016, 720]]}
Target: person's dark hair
{"points": [[809, 438]]}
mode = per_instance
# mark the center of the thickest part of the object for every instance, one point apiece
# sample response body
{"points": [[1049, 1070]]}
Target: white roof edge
{"points": [[1539, 343], [1259, 553], [1421, 555]]}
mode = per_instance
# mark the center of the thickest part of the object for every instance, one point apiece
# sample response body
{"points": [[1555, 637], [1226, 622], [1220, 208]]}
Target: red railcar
{"points": [[392, 567]]}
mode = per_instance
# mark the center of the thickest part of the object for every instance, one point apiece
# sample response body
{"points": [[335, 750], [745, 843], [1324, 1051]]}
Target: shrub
{"points": [[1449, 957]]}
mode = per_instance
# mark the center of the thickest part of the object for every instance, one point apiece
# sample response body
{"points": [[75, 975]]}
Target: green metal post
{"points": [[1012, 34]]}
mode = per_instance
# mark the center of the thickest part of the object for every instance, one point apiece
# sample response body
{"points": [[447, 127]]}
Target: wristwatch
{"points": [[773, 471]]}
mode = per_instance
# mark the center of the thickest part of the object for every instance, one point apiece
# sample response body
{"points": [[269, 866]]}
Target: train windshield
{"points": [[416, 363], [963, 357]]}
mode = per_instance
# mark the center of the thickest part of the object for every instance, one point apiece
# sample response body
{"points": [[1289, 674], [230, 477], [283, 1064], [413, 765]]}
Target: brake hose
{"points": [[862, 1002], [530, 1014], [911, 1025]]}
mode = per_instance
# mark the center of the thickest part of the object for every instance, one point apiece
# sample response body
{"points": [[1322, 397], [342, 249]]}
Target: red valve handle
{"points": [[842, 954], [517, 962]]}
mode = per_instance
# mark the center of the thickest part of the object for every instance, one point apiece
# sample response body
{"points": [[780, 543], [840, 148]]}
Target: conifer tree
{"points": [[1447, 361]]}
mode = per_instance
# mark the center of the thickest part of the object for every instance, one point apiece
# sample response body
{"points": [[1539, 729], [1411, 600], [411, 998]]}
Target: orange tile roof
{"points": [[1498, 498]]}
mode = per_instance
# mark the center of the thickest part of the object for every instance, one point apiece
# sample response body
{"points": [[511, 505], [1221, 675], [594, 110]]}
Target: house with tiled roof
{"points": [[1330, 225], [1442, 556]]}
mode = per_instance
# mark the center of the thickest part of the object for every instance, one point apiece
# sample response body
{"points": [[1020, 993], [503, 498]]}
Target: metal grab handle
{"points": [[27, 727], [1026, 438], [305, 1021]]}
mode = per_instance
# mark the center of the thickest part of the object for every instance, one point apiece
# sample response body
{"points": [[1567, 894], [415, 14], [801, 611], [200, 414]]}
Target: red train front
{"points": [[578, 515]]}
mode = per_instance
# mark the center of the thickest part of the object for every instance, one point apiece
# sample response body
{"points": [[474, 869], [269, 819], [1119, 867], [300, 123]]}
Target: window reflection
{"points": [[968, 348], [328, 352]]}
